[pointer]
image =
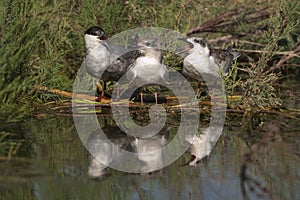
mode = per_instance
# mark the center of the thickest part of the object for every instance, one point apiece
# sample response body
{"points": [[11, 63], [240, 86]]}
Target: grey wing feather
{"points": [[121, 62]]}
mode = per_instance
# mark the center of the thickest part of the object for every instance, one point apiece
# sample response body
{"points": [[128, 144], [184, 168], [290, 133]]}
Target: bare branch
{"points": [[289, 53], [231, 18], [286, 57]]}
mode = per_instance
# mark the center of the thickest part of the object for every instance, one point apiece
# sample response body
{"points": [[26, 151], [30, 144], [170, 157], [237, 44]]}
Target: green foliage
{"points": [[41, 42], [232, 82], [12, 144], [260, 88], [33, 49]]}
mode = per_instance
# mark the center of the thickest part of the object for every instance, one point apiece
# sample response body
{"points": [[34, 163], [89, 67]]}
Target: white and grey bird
{"points": [[109, 63], [202, 143], [106, 149], [205, 61], [151, 152], [148, 67]]}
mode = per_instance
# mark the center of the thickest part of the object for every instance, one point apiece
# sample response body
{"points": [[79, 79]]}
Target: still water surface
{"points": [[52, 163]]}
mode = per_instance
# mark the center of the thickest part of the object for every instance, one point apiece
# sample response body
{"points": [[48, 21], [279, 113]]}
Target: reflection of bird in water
{"points": [[150, 151], [104, 151], [148, 67], [202, 144], [207, 62], [109, 63]]}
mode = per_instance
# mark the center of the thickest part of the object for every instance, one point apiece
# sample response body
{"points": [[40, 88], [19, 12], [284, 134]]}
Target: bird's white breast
{"points": [[196, 64], [147, 61], [149, 69], [97, 59]]}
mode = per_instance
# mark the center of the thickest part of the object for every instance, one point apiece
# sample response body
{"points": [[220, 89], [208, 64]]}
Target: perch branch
{"points": [[69, 94]]}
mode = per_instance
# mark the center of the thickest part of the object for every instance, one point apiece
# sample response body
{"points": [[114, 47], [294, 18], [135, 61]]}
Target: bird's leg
{"points": [[212, 95], [102, 89], [198, 93], [141, 95], [155, 96], [118, 92]]}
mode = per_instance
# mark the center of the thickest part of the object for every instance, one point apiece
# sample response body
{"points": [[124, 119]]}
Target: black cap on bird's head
{"points": [[96, 31]]}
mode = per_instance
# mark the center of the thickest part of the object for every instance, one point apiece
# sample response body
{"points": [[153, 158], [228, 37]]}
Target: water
{"points": [[52, 163]]}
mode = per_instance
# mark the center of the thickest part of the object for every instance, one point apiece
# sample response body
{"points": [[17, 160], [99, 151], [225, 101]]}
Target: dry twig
{"points": [[231, 18]]}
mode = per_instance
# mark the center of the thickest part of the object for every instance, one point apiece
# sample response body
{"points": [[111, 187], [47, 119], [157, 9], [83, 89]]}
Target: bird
{"points": [[202, 144], [101, 154], [148, 67], [203, 60], [105, 149], [109, 63], [200, 148], [150, 150]]}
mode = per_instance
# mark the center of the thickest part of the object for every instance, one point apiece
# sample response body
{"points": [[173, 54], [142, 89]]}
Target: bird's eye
{"points": [[196, 40], [202, 43], [148, 44]]}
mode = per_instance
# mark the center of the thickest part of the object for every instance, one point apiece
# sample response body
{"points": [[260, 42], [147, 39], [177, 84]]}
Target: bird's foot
{"points": [[102, 96]]}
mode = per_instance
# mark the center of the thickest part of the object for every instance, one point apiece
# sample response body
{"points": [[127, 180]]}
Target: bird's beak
{"points": [[182, 51], [135, 47], [183, 39], [103, 37], [187, 49], [193, 157]]}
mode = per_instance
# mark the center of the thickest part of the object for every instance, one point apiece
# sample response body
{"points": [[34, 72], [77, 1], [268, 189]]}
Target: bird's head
{"points": [[196, 44], [148, 45], [94, 35]]}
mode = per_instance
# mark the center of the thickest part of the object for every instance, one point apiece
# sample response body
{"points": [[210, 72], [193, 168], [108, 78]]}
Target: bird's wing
{"points": [[234, 53], [223, 58]]}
